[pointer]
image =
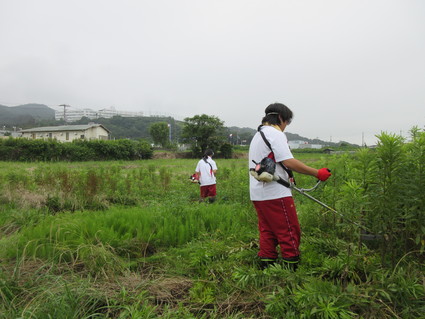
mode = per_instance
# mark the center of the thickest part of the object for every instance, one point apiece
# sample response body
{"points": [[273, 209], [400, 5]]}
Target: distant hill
{"points": [[25, 115], [36, 115], [246, 134]]}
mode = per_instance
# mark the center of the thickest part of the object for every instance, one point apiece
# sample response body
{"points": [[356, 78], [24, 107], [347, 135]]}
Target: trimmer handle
{"points": [[310, 189]]}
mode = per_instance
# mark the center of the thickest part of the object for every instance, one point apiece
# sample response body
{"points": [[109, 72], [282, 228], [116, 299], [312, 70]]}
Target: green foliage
{"points": [[312, 299], [226, 150], [203, 131], [203, 292], [51, 296], [20, 149], [160, 133], [396, 197], [381, 189], [128, 239]]}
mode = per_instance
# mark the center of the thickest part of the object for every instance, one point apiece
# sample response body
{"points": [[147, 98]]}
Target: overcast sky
{"points": [[347, 69]]}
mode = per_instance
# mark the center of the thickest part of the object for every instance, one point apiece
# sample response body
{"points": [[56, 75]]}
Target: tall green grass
{"points": [[100, 185], [130, 240], [125, 231]]}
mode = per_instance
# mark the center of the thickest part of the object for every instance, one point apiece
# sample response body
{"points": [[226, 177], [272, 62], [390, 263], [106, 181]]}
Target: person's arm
{"points": [[296, 165], [213, 167], [300, 167], [198, 170]]}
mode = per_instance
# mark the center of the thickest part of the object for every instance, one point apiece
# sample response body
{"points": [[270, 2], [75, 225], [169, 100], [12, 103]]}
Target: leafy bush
{"points": [[27, 150], [226, 150]]}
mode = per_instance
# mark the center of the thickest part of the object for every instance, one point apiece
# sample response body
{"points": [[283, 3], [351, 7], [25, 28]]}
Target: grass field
{"points": [[130, 240]]}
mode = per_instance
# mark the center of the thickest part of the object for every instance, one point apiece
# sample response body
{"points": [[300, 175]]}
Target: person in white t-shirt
{"points": [[277, 217], [206, 170]]}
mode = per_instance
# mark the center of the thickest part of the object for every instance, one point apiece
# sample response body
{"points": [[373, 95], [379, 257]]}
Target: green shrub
{"points": [[226, 150], [20, 149]]}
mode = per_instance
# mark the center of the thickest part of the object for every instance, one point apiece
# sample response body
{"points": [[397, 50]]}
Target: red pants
{"points": [[208, 191], [278, 225]]}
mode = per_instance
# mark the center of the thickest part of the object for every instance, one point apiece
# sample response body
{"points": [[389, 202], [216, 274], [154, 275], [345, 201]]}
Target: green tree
{"points": [[226, 150], [203, 131], [159, 133]]}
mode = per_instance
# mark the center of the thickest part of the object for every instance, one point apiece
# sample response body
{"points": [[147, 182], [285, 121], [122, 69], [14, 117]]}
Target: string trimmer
{"points": [[264, 171]]}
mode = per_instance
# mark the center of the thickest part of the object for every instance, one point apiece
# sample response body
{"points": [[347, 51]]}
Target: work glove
{"points": [[323, 174]]}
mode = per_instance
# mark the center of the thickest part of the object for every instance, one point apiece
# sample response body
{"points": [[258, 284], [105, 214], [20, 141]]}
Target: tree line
{"points": [[28, 150], [200, 132]]}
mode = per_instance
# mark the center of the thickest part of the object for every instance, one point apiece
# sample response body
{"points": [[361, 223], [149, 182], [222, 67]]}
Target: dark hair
{"points": [[274, 110], [208, 152]]}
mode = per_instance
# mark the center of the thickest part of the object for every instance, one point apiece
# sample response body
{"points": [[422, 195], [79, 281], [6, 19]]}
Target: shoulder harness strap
{"points": [[211, 171], [287, 170]]}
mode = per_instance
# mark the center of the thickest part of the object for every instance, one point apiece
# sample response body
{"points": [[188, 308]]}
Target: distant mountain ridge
{"points": [[291, 136], [36, 115], [25, 114]]}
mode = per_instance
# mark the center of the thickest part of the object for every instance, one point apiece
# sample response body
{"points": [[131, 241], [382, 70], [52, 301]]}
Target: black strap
{"points": [[281, 181], [205, 160], [287, 170]]}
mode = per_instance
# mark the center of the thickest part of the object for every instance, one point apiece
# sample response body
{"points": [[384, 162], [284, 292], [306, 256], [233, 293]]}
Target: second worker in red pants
{"points": [[277, 217]]}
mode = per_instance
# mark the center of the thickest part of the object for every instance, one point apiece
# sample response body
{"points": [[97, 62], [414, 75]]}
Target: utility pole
{"points": [[169, 130], [64, 111]]}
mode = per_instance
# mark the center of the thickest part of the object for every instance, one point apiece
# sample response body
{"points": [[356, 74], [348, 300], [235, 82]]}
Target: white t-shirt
{"points": [[258, 149], [207, 174]]}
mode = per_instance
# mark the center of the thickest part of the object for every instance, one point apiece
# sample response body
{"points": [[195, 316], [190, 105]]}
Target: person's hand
{"points": [[323, 174]]}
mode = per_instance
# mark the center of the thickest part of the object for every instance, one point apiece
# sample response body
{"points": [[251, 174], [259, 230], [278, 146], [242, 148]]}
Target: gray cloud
{"points": [[346, 68]]}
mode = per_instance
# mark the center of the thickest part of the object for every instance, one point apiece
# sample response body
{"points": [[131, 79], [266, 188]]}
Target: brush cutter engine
{"points": [[194, 178], [264, 171]]}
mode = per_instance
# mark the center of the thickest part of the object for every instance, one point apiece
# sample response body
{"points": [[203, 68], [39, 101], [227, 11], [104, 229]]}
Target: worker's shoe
{"points": [[267, 262], [291, 263]]}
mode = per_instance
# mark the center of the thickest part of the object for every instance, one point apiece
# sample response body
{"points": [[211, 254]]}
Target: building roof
{"points": [[63, 128]]}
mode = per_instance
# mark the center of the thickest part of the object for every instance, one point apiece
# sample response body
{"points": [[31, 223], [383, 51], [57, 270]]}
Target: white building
{"points": [[75, 115], [68, 133], [72, 115], [298, 144]]}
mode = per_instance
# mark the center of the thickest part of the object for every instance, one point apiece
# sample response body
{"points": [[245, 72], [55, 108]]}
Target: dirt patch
{"points": [[163, 155], [132, 283], [32, 199], [183, 155], [24, 198], [130, 166], [240, 303], [240, 155], [170, 290], [171, 155]]}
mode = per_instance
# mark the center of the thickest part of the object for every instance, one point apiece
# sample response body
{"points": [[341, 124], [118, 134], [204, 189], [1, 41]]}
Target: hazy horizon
{"points": [[347, 69]]}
